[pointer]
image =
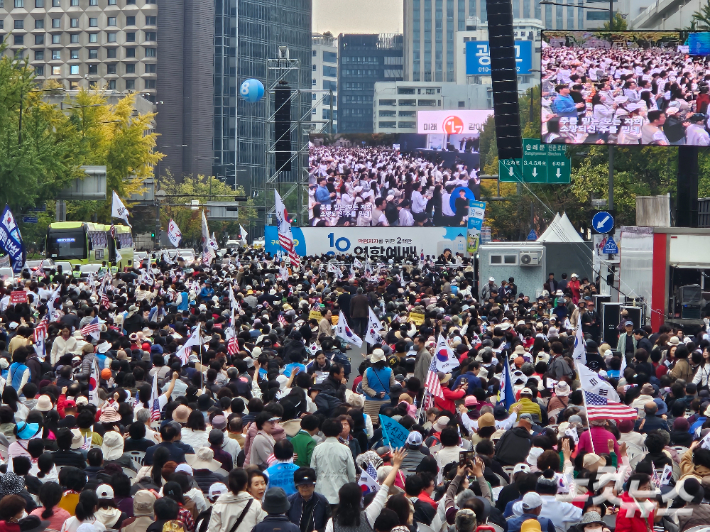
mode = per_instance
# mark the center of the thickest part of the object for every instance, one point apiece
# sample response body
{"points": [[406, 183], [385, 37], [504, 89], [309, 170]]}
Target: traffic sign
{"points": [[509, 170], [532, 235], [29, 219], [603, 222], [534, 161], [558, 164], [610, 248]]}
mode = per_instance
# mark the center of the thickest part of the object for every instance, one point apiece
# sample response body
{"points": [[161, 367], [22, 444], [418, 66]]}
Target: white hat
{"points": [[492, 279], [203, 459], [104, 491], [184, 468], [378, 355], [216, 489], [112, 446], [521, 467]]}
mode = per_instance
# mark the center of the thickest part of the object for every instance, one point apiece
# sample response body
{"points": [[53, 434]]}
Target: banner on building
{"points": [[476, 213]]}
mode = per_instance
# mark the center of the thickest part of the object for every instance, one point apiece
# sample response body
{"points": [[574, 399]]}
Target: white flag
{"points": [[357, 263], [445, 358], [213, 242], [373, 329], [580, 353], [207, 255], [174, 233], [186, 349], [284, 230], [592, 382], [343, 331], [244, 233], [118, 210], [94, 393]]}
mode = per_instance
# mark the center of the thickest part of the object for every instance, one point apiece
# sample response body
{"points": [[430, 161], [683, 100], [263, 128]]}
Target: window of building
{"points": [[56, 39], [151, 52], [19, 3], [74, 3], [74, 22], [407, 114], [149, 83], [39, 71], [313, 111], [130, 84], [112, 21], [130, 37], [388, 102], [111, 37], [74, 39], [151, 36], [388, 113], [19, 24], [93, 69], [313, 82], [500, 260], [407, 125], [112, 85], [131, 21], [330, 85], [130, 52], [39, 39], [39, 3], [93, 23], [74, 54], [19, 40], [56, 23], [131, 2], [93, 37], [112, 2], [93, 53], [56, 3], [330, 57], [73, 70], [330, 71], [314, 67], [111, 68], [407, 103], [130, 69], [151, 20], [314, 53], [151, 68], [39, 24], [387, 124], [56, 55], [111, 53], [56, 71], [39, 55], [93, 2]]}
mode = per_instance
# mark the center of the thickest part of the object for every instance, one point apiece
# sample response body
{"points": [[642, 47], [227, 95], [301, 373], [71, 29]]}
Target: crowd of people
{"points": [[472, 409], [380, 186], [648, 94]]}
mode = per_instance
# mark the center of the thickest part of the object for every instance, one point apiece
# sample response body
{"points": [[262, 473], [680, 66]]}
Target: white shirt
{"points": [[405, 218], [71, 524], [418, 202]]}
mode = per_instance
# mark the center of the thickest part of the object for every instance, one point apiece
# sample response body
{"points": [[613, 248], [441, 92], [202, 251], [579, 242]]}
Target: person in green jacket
{"points": [[303, 442]]}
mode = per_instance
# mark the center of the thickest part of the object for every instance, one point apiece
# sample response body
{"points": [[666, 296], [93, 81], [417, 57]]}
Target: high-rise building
{"points": [[127, 46], [363, 60], [325, 77], [248, 32]]}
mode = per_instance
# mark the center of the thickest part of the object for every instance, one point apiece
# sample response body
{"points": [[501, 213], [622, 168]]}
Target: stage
{"points": [[450, 158]]}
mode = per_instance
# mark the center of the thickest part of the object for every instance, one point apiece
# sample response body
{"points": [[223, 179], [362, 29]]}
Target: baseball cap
{"points": [[414, 438], [470, 401], [526, 417], [531, 500], [184, 468], [526, 391], [217, 489], [104, 491], [524, 468], [305, 475]]}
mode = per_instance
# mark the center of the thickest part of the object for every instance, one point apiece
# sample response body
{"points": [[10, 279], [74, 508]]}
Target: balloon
{"points": [[252, 90]]}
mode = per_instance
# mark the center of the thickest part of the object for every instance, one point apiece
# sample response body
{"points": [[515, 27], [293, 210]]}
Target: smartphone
{"points": [[466, 456]]}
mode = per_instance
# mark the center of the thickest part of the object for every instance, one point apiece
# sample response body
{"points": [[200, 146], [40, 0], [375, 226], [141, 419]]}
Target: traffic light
{"points": [[152, 235]]}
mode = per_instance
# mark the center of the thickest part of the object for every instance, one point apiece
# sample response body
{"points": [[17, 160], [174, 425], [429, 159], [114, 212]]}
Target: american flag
{"points": [[41, 329], [154, 403], [91, 328], [432, 381], [282, 319], [233, 346], [599, 407]]}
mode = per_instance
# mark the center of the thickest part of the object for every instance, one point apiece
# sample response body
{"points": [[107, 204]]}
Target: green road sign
{"points": [[509, 170], [558, 164], [534, 161]]}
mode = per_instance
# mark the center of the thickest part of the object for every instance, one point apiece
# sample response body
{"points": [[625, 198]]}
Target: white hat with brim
{"points": [[203, 459]]}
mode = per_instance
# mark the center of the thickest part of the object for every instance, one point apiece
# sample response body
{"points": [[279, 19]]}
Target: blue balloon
{"points": [[252, 90]]}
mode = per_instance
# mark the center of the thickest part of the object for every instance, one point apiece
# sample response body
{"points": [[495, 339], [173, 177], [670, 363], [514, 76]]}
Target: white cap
{"points": [[104, 491], [492, 279], [184, 468], [216, 489]]}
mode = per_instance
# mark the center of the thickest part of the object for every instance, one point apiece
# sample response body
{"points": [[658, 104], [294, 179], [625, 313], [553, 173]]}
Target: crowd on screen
{"points": [[651, 96], [381, 187]]}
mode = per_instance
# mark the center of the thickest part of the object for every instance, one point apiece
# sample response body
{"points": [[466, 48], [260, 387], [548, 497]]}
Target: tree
{"points": [[702, 16], [618, 24], [189, 219]]}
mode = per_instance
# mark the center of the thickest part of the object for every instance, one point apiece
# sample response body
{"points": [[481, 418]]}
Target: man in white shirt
{"points": [[405, 215], [419, 203]]}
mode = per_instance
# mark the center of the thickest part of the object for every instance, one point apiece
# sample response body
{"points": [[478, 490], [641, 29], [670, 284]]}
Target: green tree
{"points": [[618, 24], [702, 16]]}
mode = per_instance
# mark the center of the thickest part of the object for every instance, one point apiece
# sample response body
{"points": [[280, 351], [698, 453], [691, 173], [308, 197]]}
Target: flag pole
{"points": [[584, 401]]}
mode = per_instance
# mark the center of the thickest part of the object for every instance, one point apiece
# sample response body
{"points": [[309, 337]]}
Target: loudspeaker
{"points": [[282, 127], [504, 79], [635, 315], [691, 295], [611, 313], [690, 312]]}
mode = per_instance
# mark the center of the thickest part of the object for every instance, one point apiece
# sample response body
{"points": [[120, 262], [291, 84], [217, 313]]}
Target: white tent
{"points": [[560, 230]]}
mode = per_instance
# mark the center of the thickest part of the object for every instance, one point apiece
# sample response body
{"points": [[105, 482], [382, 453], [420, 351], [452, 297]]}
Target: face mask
{"points": [[590, 529]]}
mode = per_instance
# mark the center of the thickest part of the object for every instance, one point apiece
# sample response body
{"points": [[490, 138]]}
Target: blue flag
{"points": [[507, 395], [393, 433], [11, 240]]}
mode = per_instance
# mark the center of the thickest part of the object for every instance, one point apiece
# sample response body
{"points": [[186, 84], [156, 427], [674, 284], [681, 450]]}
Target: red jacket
{"points": [[447, 403], [6, 526], [629, 517]]}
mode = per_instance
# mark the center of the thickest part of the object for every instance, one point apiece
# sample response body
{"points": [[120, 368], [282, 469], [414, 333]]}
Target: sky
{"points": [[357, 16]]}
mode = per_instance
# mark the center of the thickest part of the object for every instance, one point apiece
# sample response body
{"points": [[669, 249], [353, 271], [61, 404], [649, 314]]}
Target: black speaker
{"points": [[282, 127], [504, 79], [691, 295], [635, 315], [610, 313]]}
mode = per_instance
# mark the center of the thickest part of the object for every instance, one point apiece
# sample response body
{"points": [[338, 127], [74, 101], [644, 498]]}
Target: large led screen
{"points": [[405, 180], [628, 88]]}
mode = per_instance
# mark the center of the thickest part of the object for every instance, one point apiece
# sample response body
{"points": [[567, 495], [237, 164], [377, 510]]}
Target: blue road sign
{"points": [[29, 219], [532, 235], [478, 59], [603, 222], [610, 248]]}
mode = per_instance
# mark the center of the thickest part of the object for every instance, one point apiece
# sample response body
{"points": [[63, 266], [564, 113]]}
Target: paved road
{"points": [[357, 355]]}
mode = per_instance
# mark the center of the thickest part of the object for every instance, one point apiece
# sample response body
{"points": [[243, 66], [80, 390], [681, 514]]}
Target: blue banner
{"points": [[393, 433], [478, 59], [11, 240]]}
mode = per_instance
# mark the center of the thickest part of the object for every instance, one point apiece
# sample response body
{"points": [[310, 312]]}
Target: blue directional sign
{"points": [[532, 235], [29, 219], [610, 248], [603, 222], [478, 59]]}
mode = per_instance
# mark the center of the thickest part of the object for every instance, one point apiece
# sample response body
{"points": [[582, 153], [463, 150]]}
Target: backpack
{"points": [[339, 358]]}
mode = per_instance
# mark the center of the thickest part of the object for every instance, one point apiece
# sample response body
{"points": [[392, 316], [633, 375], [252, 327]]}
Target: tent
{"points": [[560, 230]]}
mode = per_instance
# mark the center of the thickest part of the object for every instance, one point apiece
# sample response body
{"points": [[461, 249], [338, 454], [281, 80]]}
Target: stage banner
{"points": [[376, 243]]}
